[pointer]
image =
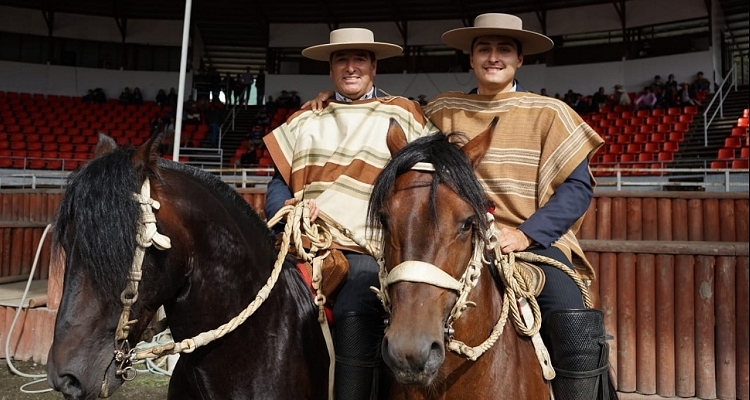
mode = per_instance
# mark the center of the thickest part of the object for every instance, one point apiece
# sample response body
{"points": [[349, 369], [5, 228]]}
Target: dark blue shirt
{"points": [[569, 202]]}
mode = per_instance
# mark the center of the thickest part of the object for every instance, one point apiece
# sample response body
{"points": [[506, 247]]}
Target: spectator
{"points": [[245, 155], [657, 83], [99, 96], [701, 84], [687, 98], [670, 90], [247, 81], [161, 98], [238, 88], [295, 100], [137, 96], [285, 100], [620, 96], [260, 86], [543, 92], [271, 107], [599, 99], [126, 96], [89, 97], [213, 120], [646, 99], [422, 100], [172, 98]]}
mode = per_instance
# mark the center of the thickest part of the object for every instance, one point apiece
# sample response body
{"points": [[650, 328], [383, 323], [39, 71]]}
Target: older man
{"points": [[537, 174], [330, 158]]}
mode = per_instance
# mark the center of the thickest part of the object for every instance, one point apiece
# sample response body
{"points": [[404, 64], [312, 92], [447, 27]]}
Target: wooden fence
{"points": [[672, 271]]}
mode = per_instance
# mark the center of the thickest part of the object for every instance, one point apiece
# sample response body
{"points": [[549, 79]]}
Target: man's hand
{"points": [[512, 239], [317, 103], [310, 204]]}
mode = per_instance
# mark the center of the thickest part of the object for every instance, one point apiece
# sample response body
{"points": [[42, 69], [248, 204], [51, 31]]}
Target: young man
{"points": [[331, 158], [537, 175]]}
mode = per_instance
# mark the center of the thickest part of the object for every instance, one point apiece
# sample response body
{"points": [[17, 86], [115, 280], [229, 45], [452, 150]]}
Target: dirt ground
{"points": [[145, 386]]}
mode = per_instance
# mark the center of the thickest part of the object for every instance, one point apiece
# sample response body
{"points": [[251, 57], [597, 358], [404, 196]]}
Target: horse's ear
{"points": [[396, 138], [477, 147], [148, 152], [105, 145]]}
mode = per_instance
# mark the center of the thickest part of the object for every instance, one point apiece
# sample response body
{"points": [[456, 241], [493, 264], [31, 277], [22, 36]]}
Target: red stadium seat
{"points": [[725, 154], [740, 164]]}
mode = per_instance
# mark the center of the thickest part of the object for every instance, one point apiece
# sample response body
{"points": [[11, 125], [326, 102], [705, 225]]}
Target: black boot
{"points": [[580, 355], [358, 360]]}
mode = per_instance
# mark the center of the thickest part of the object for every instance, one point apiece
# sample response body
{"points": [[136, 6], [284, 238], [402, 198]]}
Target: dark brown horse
{"points": [[221, 255], [433, 211]]}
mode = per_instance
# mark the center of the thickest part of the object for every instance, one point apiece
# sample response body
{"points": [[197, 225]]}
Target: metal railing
{"points": [[720, 94]]}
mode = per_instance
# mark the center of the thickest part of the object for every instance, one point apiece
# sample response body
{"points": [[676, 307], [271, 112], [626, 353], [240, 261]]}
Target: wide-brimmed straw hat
{"points": [[496, 24], [352, 39]]}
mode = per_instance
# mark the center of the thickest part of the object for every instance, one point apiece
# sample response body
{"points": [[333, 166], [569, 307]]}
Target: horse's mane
{"points": [[452, 168], [100, 207]]}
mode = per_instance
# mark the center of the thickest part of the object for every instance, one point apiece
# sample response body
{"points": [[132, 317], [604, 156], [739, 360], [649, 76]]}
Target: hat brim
{"points": [[532, 42], [322, 52]]}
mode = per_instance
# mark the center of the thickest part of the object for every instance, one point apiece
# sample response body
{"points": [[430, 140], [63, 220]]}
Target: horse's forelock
{"points": [[452, 168], [97, 220]]}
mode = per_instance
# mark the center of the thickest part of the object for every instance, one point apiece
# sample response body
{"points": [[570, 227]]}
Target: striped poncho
{"points": [[537, 143], [334, 156]]}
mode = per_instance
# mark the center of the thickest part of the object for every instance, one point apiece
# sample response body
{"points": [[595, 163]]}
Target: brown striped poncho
{"points": [[538, 142], [334, 156]]}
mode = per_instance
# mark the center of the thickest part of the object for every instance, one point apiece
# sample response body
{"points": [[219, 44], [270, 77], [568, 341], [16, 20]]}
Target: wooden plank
{"points": [[664, 219], [680, 219], [27, 250], [685, 325], [665, 326], [712, 225], [608, 301], [741, 220], [604, 218], [619, 218], [695, 219], [16, 251], [726, 329], [728, 231], [634, 227], [626, 322], [742, 298], [593, 258], [705, 320], [588, 226], [649, 224], [663, 247], [645, 327]]}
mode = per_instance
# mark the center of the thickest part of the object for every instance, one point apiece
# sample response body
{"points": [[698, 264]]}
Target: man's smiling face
{"points": [[353, 72], [495, 60]]}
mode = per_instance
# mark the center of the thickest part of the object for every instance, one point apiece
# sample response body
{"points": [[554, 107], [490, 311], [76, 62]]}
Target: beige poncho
{"points": [[538, 142], [334, 156]]}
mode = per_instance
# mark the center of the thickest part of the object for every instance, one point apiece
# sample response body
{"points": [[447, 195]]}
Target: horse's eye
{"points": [[467, 225]]}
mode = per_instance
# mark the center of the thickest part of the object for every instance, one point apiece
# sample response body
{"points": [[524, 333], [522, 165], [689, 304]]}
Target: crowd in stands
{"points": [[656, 94]]}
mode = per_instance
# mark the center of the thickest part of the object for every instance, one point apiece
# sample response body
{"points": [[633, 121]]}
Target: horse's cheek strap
{"points": [[422, 272]]}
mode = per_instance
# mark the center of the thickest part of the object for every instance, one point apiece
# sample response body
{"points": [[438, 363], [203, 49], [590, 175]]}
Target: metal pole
{"points": [[181, 87]]}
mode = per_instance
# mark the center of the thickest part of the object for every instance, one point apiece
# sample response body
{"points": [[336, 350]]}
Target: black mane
{"points": [[452, 168], [97, 219], [98, 215]]}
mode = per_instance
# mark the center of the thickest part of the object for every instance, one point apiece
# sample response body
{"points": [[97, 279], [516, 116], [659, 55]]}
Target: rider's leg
{"points": [[358, 328], [574, 337]]}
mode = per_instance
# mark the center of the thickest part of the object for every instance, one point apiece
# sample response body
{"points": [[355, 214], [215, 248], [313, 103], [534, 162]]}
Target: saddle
{"points": [[334, 271]]}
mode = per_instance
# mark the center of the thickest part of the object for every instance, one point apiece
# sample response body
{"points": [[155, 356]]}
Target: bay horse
{"points": [[221, 255], [432, 210]]}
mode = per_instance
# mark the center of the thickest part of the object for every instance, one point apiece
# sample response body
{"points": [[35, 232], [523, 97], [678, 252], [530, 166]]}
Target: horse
{"points": [[435, 214], [221, 254]]}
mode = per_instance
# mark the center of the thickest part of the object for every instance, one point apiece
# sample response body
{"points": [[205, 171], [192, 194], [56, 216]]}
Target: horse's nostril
{"points": [[67, 384]]}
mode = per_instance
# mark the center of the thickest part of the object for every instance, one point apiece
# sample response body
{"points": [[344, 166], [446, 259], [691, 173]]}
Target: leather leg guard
{"points": [[358, 361], [580, 355]]}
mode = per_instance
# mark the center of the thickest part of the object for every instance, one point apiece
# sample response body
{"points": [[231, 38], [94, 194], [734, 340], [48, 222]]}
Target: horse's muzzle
{"points": [[414, 361]]}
